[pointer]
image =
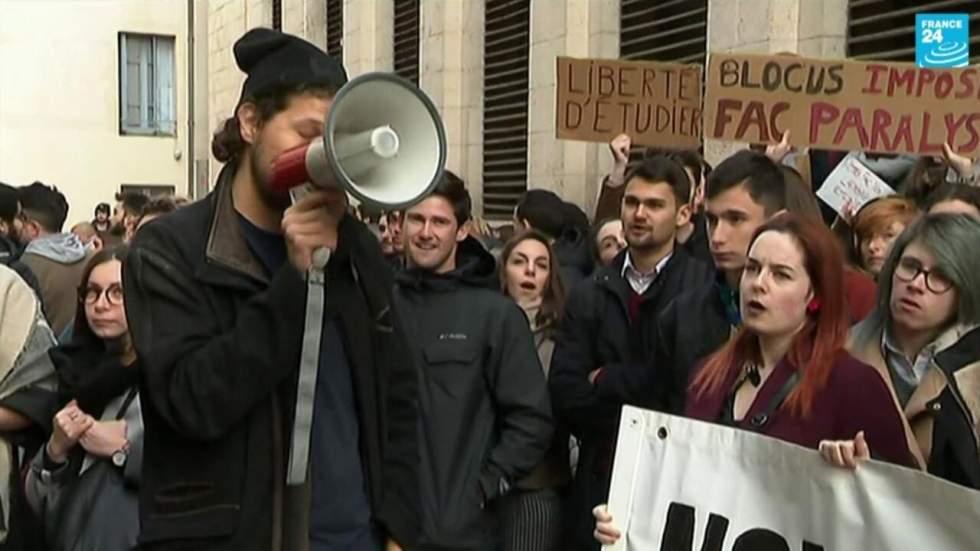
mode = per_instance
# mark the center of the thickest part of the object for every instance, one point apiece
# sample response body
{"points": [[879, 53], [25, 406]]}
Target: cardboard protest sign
{"points": [[680, 484], [657, 104], [850, 185], [847, 105]]}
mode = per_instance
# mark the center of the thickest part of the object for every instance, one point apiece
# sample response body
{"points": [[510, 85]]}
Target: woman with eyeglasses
{"points": [[924, 338], [84, 482]]}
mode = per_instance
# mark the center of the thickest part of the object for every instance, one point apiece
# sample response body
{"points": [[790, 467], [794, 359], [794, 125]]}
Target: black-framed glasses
{"points": [[91, 294], [908, 270]]}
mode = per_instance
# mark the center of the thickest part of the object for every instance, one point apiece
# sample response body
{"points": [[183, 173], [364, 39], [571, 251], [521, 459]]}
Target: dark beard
{"points": [[645, 245], [263, 184]]}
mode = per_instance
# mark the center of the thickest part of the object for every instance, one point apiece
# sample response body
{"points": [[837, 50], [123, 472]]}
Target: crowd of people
{"points": [[243, 372]]}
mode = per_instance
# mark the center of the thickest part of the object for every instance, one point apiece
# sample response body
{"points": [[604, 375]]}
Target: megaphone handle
{"points": [[299, 448], [297, 193]]}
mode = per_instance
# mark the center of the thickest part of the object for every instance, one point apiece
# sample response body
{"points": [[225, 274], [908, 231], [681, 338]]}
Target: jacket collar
{"points": [[628, 266], [475, 267], [226, 247], [871, 353], [611, 277], [947, 339]]}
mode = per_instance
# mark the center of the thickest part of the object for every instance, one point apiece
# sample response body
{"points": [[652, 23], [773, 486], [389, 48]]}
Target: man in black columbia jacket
{"points": [[216, 298], [605, 343], [485, 416]]}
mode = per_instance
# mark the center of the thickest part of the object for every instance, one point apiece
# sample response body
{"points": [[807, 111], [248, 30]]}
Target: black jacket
{"points": [[220, 345], [691, 328], [698, 245], [596, 333], [10, 257], [485, 416], [954, 448], [574, 255]]}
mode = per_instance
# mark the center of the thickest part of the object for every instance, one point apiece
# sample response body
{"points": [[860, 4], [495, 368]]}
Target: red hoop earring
{"points": [[814, 306]]}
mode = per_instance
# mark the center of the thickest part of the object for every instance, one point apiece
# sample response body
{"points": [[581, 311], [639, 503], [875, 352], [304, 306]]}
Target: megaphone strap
{"points": [[299, 449]]}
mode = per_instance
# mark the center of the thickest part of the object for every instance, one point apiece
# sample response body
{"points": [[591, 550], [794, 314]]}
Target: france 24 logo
{"points": [[942, 39]]}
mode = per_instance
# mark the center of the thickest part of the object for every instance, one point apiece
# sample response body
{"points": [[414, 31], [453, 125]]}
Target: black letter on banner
{"points": [[679, 530], [760, 539]]}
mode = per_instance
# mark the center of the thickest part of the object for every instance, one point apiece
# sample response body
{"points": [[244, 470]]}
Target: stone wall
{"points": [[451, 65]]}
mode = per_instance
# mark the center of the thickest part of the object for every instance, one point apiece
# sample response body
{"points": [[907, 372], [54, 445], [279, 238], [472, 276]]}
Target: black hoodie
{"points": [[485, 414]]}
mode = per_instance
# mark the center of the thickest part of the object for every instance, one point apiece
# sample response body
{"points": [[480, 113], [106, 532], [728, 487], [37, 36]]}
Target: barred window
{"points": [[505, 105]]}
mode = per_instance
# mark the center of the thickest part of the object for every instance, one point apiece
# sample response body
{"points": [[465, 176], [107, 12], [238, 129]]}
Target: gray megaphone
{"points": [[383, 142]]}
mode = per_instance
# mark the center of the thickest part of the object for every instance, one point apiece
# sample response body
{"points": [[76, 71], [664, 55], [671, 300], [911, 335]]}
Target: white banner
{"points": [[684, 485]]}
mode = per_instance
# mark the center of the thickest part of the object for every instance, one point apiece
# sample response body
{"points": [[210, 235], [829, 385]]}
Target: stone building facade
{"points": [[451, 52]]}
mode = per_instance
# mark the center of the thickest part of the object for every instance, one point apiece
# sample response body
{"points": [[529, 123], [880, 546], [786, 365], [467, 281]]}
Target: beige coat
{"points": [[949, 380]]}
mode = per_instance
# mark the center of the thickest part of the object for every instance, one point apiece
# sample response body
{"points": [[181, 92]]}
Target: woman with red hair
{"points": [[786, 374], [877, 225]]}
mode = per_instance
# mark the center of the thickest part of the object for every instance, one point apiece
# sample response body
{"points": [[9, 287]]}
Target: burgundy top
{"points": [[855, 398], [861, 292]]}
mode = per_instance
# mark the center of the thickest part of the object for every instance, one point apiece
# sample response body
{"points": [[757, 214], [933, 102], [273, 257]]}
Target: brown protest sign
{"points": [[657, 104], [850, 105]]}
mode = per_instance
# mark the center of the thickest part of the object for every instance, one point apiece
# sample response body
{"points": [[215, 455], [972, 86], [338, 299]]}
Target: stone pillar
{"points": [[806, 27], [575, 28], [258, 13], [369, 27], [451, 73], [227, 21], [202, 120], [307, 19]]}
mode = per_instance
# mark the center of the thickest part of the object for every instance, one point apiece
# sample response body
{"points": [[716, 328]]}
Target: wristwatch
{"points": [[120, 456]]}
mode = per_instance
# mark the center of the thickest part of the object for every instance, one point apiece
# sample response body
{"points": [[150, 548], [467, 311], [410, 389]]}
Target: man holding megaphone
{"points": [[279, 409]]}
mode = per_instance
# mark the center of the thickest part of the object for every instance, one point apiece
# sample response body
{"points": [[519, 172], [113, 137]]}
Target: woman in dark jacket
{"points": [[84, 482], [786, 374], [529, 274]]}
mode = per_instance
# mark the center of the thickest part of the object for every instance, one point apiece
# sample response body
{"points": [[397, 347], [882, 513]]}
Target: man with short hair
{"points": [[57, 258], [603, 341], [101, 222], [154, 209], [566, 227], [485, 417], [392, 244], [743, 192], [279, 411], [692, 235], [10, 228], [129, 206]]}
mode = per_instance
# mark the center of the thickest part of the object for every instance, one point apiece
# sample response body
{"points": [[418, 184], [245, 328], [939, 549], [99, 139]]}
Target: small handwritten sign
{"points": [[850, 186]]}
